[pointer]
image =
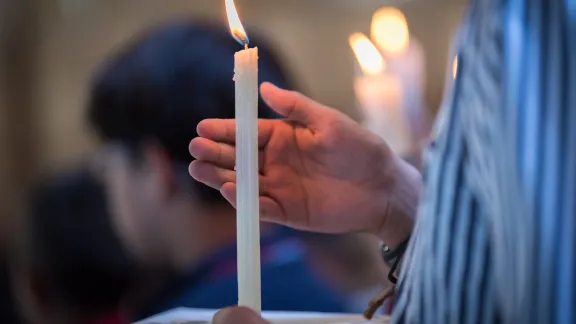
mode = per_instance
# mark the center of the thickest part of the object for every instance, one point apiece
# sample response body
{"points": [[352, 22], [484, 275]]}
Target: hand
{"points": [[320, 170], [237, 315]]}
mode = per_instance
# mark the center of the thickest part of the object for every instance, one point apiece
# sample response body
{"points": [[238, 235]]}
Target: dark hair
{"points": [[71, 245], [162, 86]]}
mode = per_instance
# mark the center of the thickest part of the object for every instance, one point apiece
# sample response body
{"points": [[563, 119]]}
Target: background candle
{"points": [[404, 55], [247, 192], [379, 96]]}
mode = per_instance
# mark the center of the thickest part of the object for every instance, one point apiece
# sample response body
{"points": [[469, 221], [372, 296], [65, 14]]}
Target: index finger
{"points": [[224, 130]]}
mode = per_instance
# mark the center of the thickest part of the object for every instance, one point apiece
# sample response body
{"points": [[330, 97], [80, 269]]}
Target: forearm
{"points": [[400, 204]]}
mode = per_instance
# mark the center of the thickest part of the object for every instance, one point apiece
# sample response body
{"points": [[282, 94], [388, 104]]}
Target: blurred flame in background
{"points": [[368, 56], [455, 67], [389, 30]]}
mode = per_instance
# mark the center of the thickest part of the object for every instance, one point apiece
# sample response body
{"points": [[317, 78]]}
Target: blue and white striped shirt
{"points": [[495, 237]]}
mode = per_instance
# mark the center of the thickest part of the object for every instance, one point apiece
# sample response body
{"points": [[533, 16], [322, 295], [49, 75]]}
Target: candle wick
{"points": [[245, 45]]}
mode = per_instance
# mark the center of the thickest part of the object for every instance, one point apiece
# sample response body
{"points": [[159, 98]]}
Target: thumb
{"points": [[293, 105], [237, 315]]}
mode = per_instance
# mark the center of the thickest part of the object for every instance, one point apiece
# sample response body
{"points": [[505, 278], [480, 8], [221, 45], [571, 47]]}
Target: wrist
{"points": [[398, 203]]}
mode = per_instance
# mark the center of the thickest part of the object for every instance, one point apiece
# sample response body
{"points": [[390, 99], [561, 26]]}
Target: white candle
{"points": [[405, 57], [247, 193], [379, 96]]}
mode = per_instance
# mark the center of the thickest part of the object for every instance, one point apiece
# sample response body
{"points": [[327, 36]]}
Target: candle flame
{"points": [[236, 27], [389, 30], [368, 56], [455, 67]]}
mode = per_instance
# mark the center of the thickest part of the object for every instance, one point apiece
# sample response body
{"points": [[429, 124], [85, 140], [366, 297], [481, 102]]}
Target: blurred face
{"points": [[135, 202], [146, 206]]}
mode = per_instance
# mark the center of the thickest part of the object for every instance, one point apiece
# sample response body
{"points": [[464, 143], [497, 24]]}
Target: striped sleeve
{"points": [[448, 275], [523, 159], [534, 223], [495, 236]]}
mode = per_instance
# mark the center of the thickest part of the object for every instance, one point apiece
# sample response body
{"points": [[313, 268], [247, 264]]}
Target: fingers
{"points": [[270, 211], [224, 130], [238, 315], [293, 105], [210, 174], [216, 177], [228, 191], [220, 154]]}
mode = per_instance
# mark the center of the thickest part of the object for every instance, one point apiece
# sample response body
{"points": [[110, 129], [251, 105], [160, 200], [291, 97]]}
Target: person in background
{"points": [[144, 105], [68, 264]]}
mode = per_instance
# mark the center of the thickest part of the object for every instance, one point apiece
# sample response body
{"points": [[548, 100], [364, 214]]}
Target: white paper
{"points": [[202, 315]]}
